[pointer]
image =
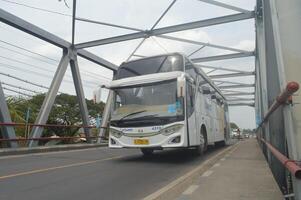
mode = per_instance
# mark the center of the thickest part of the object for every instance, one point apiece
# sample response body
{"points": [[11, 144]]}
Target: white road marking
{"points": [[190, 189], [50, 153], [216, 164], [207, 173], [223, 159]]}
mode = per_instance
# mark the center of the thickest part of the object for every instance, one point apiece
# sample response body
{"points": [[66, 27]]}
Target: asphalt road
{"points": [[100, 173]]}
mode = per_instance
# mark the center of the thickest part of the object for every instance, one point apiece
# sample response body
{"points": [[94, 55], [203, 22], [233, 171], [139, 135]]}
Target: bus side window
{"points": [[190, 98], [190, 69]]}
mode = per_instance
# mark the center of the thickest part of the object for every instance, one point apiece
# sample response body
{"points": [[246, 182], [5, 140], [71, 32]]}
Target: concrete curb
{"points": [[26, 150], [175, 188]]}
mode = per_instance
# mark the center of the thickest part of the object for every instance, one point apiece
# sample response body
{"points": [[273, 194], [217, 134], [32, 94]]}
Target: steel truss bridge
{"points": [[277, 62]]}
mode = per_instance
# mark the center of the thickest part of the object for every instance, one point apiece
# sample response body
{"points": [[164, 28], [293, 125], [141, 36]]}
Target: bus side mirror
{"points": [[180, 87], [97, 95], [206, 90]]}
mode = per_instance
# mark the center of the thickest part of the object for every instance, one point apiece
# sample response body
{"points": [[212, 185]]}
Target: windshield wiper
{"points": [[134, 113]]}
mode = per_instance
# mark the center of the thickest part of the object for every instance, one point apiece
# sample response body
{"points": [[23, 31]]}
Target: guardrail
{"points": [[28, 126], [285, 96]]}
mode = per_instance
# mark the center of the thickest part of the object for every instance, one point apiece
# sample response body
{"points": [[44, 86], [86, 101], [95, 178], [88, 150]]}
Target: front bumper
{"points": [[156, 141]]}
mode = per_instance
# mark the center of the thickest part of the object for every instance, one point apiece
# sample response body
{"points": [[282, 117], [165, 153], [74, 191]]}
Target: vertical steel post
{"points": [[80, 94], [50, 97], [106, 116], [73, 22], [261, 71], [285, 19], [8, 132]]}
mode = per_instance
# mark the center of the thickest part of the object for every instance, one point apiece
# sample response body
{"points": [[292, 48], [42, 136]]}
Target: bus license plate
{"points": [[141, 141]]}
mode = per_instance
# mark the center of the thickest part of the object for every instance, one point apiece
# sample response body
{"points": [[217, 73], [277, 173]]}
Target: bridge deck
{"points": [[242, 174]]}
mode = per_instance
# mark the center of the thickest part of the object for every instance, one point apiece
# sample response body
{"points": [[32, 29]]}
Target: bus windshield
{"points": [[154, 101], [166, 63]]}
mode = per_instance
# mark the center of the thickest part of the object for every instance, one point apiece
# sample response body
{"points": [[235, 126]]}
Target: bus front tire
{"points": [[147, 152], [202, 148]]}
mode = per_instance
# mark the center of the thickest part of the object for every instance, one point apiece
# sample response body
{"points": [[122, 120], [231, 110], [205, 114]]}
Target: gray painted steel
{"points": [[80, 95], [222, 57], [202, 43], [169, 29], [237, 86], [222, 68], [105, 116], [50, 97], [29, 28], [8, 132], [231, 75], [278, 61], [223, 5]]}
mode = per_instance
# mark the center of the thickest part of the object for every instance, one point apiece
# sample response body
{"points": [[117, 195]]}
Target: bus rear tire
{"points": [[147, 152]]}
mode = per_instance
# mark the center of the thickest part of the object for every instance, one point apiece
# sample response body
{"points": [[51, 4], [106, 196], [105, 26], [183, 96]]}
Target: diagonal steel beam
{"points": [[152, 28], [96, 59], [50, 97], [230, 82], [80, 96], [8, 132], [223, 57], [237, 86], [42, 34], [240, 99], [202, 43], [31, 29], [221, 68], [169, 29], [242, 104], [220, 4], [232, 75], [239, 94]]}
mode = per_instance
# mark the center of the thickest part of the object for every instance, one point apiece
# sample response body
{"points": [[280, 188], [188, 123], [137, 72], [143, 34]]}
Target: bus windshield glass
{"points": [[156, 101], [166, 63]]}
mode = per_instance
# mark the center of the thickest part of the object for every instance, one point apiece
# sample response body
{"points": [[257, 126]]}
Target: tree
{"points": [[65, 111]]}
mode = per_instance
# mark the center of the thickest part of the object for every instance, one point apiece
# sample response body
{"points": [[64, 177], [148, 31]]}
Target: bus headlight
{"points": [[115, 133], [171, 129]]}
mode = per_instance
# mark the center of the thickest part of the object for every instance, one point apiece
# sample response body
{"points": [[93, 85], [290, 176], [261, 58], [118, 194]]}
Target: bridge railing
{"points": [[285, 97], [64, 136]]}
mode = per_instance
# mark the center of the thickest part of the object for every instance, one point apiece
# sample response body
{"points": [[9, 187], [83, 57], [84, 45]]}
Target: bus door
{"points": [[191, 114]]}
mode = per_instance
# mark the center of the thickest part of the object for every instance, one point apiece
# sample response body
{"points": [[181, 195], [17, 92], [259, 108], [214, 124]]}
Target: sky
{"points": [[29, 58]]}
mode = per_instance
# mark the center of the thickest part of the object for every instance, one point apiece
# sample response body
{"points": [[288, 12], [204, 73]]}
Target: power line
{"points": [[19, 87], [17, 52], [13, 45], [37, 8], [8, 89], [89, 74], [23, 70], [25, 81], [69, 81], [24, 63]]}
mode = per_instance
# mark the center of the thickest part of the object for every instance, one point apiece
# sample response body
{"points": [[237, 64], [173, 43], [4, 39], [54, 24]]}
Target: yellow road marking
{"points": [[55, 168]]}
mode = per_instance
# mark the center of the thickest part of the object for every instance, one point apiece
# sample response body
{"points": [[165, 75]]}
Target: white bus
{"points": [[165, 101]]}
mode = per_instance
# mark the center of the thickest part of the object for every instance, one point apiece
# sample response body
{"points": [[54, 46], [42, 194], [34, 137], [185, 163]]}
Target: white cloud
{"points": [[248, 45]]}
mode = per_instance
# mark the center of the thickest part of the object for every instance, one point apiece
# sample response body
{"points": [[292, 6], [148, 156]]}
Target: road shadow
{"points": [[170, 156]]}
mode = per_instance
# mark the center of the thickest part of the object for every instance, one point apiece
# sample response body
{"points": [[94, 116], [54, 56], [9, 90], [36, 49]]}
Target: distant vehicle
{"points": [[246, 135], [165, 102]]}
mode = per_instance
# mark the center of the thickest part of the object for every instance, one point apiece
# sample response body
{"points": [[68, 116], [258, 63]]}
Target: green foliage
{"points": [[65, 111]]}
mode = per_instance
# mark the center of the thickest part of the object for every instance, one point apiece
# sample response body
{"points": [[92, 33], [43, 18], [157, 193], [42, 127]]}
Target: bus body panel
{"points": [[200, 109]]}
